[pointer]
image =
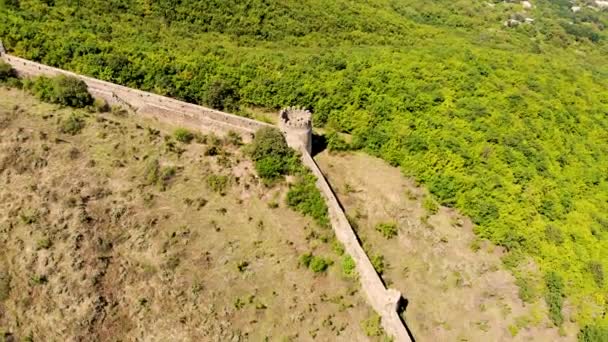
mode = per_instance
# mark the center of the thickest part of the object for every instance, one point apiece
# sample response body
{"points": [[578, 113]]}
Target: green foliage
{"points": [[63, 90], [335, 143], [597, 271], [554, 234], [218, 183], [527, 292], [305, 259], [554, 297], [183, 135], [151, 172], [315, 263], [378, 263], [6, 72], [387, 229], [44, 243], [592, 333], [430, 205], [72, 125], [372, 326], [348, 266], [506, 124], [304, 197], [272, 157], [319, 264]]}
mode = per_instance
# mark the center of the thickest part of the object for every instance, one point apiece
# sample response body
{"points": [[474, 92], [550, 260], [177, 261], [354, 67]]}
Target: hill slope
{"points": [[113, 230], [508, 124]]}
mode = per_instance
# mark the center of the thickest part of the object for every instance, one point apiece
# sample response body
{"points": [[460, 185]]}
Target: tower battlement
{"points": [[296, 125]]}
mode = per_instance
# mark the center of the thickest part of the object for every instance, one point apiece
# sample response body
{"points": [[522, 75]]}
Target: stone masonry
{"points": [[296, 125]]}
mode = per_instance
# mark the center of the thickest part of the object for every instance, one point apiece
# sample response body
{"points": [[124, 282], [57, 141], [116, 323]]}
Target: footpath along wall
{"points": [[384, 301]]}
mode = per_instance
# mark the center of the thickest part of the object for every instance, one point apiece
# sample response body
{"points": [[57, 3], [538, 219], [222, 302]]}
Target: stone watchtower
{"points": [[296, 125]]}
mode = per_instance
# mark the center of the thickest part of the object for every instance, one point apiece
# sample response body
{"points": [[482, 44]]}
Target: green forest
{"points": [[508, 124]]}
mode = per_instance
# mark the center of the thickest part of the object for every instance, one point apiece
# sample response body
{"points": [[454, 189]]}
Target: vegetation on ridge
{"points": [[508, 124]]}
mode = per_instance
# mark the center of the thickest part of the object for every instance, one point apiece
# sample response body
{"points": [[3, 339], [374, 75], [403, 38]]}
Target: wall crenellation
{"points": [[296, 125]]}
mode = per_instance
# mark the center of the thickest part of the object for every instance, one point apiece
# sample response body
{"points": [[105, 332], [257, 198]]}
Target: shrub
{"points": [[554, 235], [305, 259], [270, 153], [152, 172], [72, 125], [430, 205], [183, 135], [378, 263], [592, 333], [6, 71], [372, 326], [348, 266], [335, 143], [63, 90], [555, 297], [304, 197], [387, 229], [597, 271], [315, 263], [233, 138], [319, 264], [218, 183], [43, 244], [526, 291]]}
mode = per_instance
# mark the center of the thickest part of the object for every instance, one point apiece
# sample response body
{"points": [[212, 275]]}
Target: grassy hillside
{"points": [[508, 124], [113, 229]]}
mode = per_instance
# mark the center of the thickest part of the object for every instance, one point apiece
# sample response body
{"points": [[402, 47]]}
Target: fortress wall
{"points": [[168, 109], [384, 301]]}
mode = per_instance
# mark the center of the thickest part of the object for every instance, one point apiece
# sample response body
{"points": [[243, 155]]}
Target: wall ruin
{"points": [[148, 104], [384, 301]]}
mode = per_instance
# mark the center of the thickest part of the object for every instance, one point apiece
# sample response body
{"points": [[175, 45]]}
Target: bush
{"points": [[152, 172], [271, 155], [63, 90], [372, 326], [388, 229], [72, 125], [348, 266], [554, 235], [183, 135], [315, 263], [304, 197], [555, 297], [305, 259], [335, 143], [218, 183], [430, 205], [592, 333], [6, 71], [378, 263], [319, 264], [597, 271]]}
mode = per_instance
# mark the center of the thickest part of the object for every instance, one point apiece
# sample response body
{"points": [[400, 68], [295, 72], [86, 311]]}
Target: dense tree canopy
{"points": [[508, 124]]}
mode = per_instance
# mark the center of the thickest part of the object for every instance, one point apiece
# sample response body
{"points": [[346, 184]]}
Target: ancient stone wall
{"points": [[148, 104], [384, 301]]}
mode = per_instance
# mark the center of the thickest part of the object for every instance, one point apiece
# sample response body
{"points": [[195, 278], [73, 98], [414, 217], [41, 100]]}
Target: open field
{"points": [[456, 285], [110, 229]]}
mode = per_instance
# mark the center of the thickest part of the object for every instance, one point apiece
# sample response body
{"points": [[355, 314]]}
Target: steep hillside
{"points": [[112, 229], [499, 108]]}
